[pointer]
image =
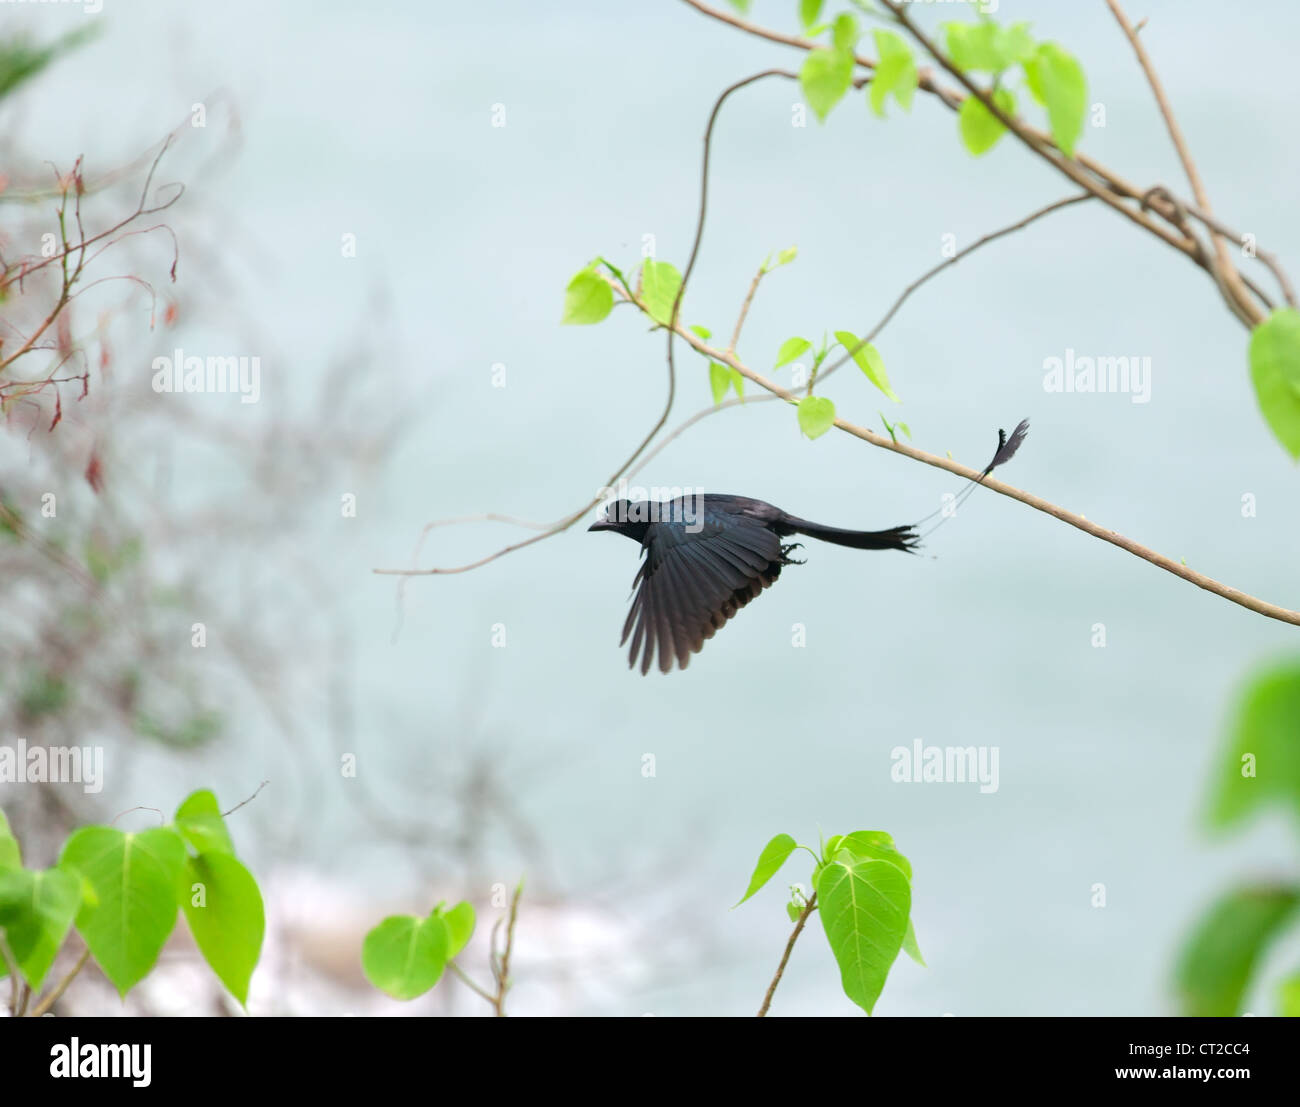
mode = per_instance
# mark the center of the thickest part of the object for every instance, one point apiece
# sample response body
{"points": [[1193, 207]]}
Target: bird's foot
{"points": [[785, 554]]}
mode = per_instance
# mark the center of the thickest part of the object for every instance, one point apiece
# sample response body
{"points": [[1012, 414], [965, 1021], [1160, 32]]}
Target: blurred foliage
{"points": [[196, 730], [1258, 769], [104, 561], [1275, 371], [1260, 766], [20, 60], [45, 694], [135, 607], [1219, 959]]}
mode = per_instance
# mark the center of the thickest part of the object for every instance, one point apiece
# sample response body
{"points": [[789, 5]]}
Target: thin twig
{"points": [[702, 215], [53, 998], [227, 814], [789, 948], [68, 279], [14, 976], [1227, 270], [1268, 259], [162, 819], [686, 425], [461, 520], [744, 308], [992, 236], [465, 979], [564, 525], [502, 971]]}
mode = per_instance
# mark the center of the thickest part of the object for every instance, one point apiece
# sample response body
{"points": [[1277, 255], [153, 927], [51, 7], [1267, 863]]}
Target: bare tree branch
{"points": [[1225, 268]]}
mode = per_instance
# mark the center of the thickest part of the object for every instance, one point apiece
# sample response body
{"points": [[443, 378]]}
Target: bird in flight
{"points": [[705, 556]]}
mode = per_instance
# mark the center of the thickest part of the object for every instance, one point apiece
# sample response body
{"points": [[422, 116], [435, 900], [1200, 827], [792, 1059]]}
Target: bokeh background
{"points": [[478, 763]]}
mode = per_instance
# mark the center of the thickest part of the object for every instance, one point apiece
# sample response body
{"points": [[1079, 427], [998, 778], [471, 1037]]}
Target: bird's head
{"points": [[630, 517]]}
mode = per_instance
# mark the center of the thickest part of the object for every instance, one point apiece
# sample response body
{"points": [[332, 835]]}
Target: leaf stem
{"points": [[53, 998], [465, 979], [789, 947], [744, 308], [15, 977], [502, 970]]}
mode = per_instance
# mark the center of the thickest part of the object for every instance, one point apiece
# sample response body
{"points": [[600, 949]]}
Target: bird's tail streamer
{"points": [[1007, 447]]}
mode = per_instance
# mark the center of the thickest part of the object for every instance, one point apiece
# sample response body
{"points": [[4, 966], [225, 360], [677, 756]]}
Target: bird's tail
{"points": [[896, 538], [1006, 450], [908, 538]]}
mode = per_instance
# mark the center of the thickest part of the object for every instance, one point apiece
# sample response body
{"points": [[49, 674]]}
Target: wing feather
{"points": [[691, 583]]}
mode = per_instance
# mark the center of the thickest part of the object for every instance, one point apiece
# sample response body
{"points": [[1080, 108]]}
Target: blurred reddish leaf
{"points": [[105, 352], [95, 473], [63, 328]]}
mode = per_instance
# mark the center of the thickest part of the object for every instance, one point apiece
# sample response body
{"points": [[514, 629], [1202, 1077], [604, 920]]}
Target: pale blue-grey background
{"points": [[375, 119]]}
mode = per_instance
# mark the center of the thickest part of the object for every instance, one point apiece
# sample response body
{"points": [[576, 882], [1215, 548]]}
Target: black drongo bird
{"points": [[706, 556]]}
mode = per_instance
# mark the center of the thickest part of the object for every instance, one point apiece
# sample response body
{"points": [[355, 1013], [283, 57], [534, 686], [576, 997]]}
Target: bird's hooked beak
{"points": [[601, 524]]}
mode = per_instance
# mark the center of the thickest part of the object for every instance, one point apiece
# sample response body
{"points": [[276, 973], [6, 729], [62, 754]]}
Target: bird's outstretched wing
{"points": [[690, 584]]}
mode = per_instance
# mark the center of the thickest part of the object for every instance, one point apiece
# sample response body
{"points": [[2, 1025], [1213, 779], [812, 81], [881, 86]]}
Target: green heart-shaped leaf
{"points": [[816, 415], [134, 877], [405, 956], [223, 907]]}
